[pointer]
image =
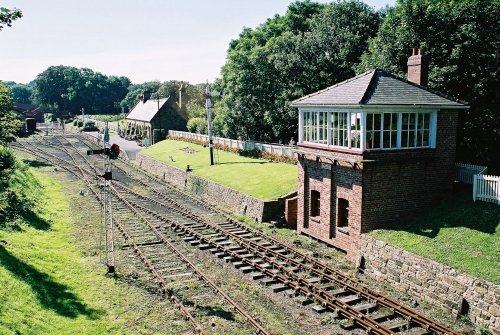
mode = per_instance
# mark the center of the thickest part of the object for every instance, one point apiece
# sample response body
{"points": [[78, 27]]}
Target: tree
{"points": [[311, 47], [135, 91], [21, 93], [69, 89], [461, 40], [7, 16], [9, 124]]}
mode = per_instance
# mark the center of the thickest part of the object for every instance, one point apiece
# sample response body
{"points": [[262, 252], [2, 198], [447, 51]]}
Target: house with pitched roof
{"points": [[372, 150], [150, 119]]}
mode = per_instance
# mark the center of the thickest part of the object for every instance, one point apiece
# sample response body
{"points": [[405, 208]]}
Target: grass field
{"points": [[256, 177], [50, 284], [458, 232]]}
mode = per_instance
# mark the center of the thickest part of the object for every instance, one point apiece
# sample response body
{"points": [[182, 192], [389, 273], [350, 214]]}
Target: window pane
{"points": [[355, 130], [425, 142], [387, 139], [376, 140], [376, 121]]}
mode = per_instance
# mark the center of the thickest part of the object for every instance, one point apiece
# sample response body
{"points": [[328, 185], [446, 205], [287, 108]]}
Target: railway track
{"points": [[172, 270], [272, 262]]}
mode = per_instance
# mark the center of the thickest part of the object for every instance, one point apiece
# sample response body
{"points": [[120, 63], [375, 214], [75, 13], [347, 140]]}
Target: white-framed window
{"points": [[355, 130], [369, 130], [339, 128], [373, 130], [398, 130]]}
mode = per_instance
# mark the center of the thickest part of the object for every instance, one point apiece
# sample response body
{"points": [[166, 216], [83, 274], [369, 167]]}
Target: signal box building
{"points": [[372, 150], [150, 119]]}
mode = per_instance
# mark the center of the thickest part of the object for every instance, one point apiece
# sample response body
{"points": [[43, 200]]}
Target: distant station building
{"points": [[372, 150], [29, 111], [150, 119]]}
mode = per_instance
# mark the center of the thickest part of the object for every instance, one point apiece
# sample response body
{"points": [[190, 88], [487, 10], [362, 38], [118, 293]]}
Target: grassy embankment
{"points": [[256, 177], [458, 232], [50, 280]]}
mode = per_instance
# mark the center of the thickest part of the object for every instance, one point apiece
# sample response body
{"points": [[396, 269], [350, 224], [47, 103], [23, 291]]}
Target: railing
{"points": [[465, 172], [277, 149], [99, 123], [486, 188]]}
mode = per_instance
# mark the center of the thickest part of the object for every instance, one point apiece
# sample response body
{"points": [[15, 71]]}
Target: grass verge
{"points": [[458, 232], [256, 177], [51, 284]]}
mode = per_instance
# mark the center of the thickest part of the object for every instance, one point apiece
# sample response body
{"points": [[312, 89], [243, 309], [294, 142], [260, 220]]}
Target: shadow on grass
{"points": [[242, 163], [50, 294], [457, 211], [20, 209], [211, 311], [35, 163]]}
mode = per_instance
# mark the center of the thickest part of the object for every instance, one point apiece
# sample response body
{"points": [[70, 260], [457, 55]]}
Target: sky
{"points": [[143, 40]]}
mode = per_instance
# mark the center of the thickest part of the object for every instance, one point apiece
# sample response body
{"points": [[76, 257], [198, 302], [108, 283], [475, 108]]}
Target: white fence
{"points": [[278, 149], [486, 188], [465, 172]]}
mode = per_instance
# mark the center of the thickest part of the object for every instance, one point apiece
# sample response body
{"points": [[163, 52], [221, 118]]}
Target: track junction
{"points": [[161, 223]]}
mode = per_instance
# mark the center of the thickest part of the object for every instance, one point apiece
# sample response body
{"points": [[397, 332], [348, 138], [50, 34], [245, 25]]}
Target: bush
{"points": [[19, 190], [89, 126], [75, 122], [79, 123], [197, 125], [7, 162]]}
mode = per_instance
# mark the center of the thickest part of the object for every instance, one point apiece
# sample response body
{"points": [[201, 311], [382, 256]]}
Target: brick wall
{"points": [[332, 181], [393, 185], [428, 280]]}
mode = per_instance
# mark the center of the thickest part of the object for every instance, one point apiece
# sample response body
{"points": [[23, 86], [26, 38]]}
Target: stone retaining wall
{"points": [[213, 192], [427, 280]]}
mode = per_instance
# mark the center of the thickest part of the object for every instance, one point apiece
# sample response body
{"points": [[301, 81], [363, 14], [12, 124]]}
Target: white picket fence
{"points": [[278, 149], [486, 188], [465, 172]]}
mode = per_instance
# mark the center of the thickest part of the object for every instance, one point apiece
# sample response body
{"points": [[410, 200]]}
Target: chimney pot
{"points": [[418, 68]]}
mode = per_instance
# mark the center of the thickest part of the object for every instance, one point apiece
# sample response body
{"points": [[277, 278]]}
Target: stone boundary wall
{"points": [[428, 280], [213, 192]]}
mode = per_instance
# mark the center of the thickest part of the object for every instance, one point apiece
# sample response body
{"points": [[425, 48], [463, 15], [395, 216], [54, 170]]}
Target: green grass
{"points": [[50, 285], [458, 232], [256, 177]]}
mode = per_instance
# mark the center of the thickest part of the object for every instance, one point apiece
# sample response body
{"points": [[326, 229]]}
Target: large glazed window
{"points": [[369, 130], [332, 128]]}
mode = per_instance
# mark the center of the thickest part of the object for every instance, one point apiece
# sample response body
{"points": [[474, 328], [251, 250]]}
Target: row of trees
{"points": [[69, 89], [65, 89], [316, 45]]}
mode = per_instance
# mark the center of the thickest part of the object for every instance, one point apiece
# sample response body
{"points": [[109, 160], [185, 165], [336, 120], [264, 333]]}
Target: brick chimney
{"points": [[418, 68], [145, 96]]}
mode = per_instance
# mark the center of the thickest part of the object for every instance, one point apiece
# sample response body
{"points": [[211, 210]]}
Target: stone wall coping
{"points": [[139, 155]]}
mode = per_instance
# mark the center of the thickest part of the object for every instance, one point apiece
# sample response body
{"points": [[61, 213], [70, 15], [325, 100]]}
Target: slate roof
{"points": [[377, 87], [145, 111]]}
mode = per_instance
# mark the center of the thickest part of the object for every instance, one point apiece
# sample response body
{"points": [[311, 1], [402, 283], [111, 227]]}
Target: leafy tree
{"points": [[9, 124], [461, 40], [135, 91], [311, 47], [8, 15], [69, 89], [198, 125], [21, 93]]}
